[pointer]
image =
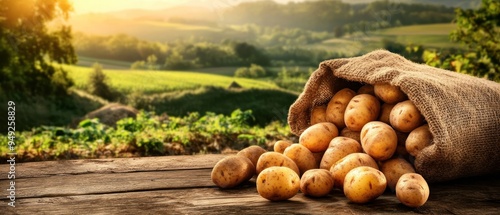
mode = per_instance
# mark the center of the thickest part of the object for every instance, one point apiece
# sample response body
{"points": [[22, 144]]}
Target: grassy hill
{"points": [[178, 93], [152, 82], [431, 35]]}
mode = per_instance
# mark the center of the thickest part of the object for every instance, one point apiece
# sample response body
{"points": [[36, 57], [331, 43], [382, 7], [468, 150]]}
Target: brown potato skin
{"points": [[337, 106], [278, 183], [401, 149], [281, 145], [361, 109], [418, 139], [393, 169], [316, 182], [364, 184], [405, 116], [270, 159], [231, 171], [412, 190], [317, 137], [252, 152], [318, 114], [366, 89], [339, 148], [379, 140], [385, 113], [301, 156], [389, 94], [351, 134], [340, 169]]}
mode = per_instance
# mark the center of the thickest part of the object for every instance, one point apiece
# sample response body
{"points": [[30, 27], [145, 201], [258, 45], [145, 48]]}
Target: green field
{"points": [[431, 35], [151, 82]]}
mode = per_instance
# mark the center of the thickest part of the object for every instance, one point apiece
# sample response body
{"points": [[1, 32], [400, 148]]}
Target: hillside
{"points": [[448, 3], [153, 82]]}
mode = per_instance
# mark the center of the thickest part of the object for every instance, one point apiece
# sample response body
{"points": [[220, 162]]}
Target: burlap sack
{"points": [[463, 112]]}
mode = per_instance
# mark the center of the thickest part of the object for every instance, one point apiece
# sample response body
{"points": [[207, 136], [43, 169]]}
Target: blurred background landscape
{"points": [[95, 79]]}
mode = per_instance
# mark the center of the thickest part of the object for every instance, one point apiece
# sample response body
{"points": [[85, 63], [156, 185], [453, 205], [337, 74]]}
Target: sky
{"points": [[96, 6]]}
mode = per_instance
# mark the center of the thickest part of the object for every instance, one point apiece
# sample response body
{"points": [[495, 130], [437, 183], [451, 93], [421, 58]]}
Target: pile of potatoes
{"points": [[360, 143]]}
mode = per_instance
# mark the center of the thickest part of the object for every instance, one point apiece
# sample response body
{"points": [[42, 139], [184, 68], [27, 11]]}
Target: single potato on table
{"points": [[278, 183], [364, 184], [231, 171], [412, 190], [316, 182]]}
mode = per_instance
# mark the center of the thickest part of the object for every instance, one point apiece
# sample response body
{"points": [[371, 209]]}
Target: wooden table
{"points": [[182, 185]]}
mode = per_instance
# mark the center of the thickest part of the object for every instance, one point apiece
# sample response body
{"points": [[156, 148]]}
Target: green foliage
{"points": [[28, 48], [479, 30], [146, 135], [98, 83], [293, 79], [254, 71]]}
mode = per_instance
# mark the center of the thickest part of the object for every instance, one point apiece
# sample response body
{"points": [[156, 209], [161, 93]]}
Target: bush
{"points": [[98, 82], [254, 71]]}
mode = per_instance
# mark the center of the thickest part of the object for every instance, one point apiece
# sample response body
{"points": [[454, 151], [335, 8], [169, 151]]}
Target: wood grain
{"points": [[182, 185], [73, 167]]}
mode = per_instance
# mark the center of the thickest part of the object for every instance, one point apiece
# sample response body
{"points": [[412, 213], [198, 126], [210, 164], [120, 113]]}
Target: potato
{"points": [[317, 137], [418, 139], [412, 190], [379, 140], [318, 114], [270, 159], [340, 169], [361, 109], [278, 183], [302, 157], [351, 134], [364, 184], [393, 169], [385, 112], [281, 145], [232, 171], [405, 116], [366, 89], [339, 148], [389, 94], [337, 106], [318, 156], [316, 182], [252, 152], [401, 149]]}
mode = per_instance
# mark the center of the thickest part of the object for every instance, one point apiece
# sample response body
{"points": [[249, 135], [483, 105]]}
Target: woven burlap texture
{"points": [[463, 112]]}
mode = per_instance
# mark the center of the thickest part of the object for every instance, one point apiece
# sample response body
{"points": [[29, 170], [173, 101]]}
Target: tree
{"points": [[479, 30], [28, 49]]}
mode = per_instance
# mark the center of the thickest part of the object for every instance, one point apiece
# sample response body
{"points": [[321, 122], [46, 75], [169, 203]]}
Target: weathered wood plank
{"points": [[97, 183], [50, 168], [452, 198]]}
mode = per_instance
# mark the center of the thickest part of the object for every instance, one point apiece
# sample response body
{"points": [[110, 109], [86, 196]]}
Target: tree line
{"points": [[335, 15]]}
